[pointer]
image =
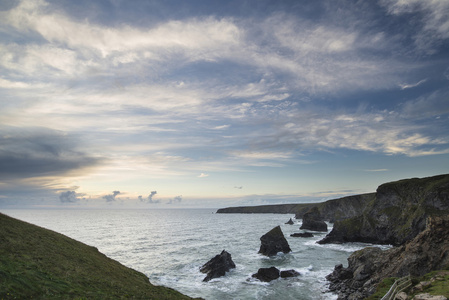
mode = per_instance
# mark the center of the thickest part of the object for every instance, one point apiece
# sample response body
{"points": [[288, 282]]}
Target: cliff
{"points": [[36, 263], [428, 251], [396, 213], [331, 210], [265, 209]]}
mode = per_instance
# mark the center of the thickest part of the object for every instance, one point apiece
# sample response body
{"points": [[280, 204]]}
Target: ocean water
{"points": [[170, 246]]}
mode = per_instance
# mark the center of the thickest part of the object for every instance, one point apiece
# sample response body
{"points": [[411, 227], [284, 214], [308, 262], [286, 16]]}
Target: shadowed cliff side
{"points": [[397, 213], [36, 263]]}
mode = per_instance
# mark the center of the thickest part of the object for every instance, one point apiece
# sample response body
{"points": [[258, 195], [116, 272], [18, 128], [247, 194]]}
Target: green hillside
{"points": [[36, 263]]}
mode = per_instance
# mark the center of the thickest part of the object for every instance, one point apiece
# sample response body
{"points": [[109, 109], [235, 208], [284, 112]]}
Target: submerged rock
{"points": [[289, 273], [312, 220], [273, 242], [300, 234], [217, 266], [272, 273], [290, 222], [267, 274]]}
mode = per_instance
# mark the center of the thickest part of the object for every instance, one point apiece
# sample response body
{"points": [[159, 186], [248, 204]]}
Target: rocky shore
{"points": [[428, 251], [410, 214]]}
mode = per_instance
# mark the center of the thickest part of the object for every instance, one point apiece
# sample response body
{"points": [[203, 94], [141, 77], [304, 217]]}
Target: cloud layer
{"points": [[87, 99]]}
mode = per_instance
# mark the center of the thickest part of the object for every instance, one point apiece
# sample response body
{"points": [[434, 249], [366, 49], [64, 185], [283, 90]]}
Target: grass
{"points": [[439, 285], [382, 288], [36, 263]]}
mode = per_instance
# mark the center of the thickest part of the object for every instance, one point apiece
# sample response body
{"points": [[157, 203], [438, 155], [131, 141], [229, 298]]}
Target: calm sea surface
{"points": [[170, 246]]}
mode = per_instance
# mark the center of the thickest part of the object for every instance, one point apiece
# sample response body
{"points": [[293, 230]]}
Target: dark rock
{"points": [[273, 242], [289, 273], [290, 222], [218, 266], [427, 252], [312, 220], [267, 274], [304, 235]]}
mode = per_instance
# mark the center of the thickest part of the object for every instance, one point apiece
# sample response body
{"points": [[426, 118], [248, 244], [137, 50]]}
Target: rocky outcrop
{"points": [[218, 266], [312, 220], [289, 273], [273, 242], [272, 273], [397, 213], [302, 234], [428, 251], [267, 274], [290, 222]]}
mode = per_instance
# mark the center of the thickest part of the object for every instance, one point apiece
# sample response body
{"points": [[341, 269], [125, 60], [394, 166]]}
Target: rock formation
{"points": [[289, 273], [272, 273], [267, 274], [290, 222], [218, 266], [300, 234], [397, 213], [428, 251], [312, 220], [273, 242]]}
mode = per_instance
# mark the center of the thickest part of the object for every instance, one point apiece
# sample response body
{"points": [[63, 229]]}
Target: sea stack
{"points": [[312, 220], [218, 266], [273, 242]]}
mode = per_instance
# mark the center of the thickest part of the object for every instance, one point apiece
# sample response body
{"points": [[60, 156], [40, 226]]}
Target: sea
{"points": [[171, 245]]}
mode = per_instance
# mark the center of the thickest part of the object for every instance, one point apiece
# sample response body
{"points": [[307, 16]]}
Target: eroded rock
{"points": [[312, 220], [273, 242], [217, 266]]}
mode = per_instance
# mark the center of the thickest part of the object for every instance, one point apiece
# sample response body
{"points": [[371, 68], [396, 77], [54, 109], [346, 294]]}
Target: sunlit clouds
{"points": [[97, 98]]}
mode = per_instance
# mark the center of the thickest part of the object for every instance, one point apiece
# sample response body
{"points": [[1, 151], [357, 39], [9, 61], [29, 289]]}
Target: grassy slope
{"points": [[439, 285], [38, 263]]}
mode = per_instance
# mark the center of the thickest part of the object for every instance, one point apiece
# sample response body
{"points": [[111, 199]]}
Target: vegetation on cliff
{"points": [[38, 263]]}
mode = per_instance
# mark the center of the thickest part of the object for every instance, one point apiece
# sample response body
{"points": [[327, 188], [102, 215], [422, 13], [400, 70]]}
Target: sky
{"points": [[161, 104]]}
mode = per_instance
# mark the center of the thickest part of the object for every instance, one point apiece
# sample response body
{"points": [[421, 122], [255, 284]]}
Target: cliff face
{"points": [[396, 213], [265, 209], [428, 251], [331, 210]]}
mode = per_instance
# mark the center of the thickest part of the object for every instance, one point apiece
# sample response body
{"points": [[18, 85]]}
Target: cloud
{"points": [[202, 175], [175, 200], [377, 170], [412, 85], [176, 36], [111, 197], [69, 197], [38, 152], [149, 199], [432, 14]]}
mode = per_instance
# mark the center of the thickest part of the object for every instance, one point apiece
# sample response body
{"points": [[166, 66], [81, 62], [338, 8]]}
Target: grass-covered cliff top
{"points": [[36, 263]]}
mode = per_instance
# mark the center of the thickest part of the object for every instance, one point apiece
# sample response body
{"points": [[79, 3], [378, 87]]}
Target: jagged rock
{"points": [[267, 274], [218, 266], [273, 242], [289, 273], [366, 268], [396, 214], [290, 222], [312, 220], [427, 296], [300, 234]]}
